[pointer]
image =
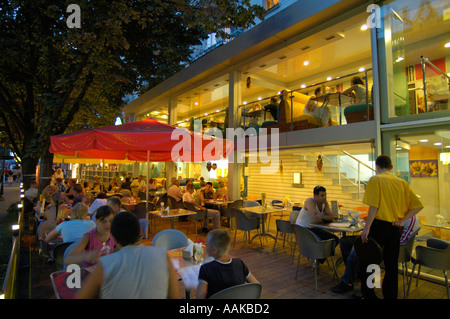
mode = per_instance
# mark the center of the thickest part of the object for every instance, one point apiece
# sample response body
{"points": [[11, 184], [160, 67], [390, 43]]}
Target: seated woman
{"points": [[356, 91], [95, 243], [57, 210], [73, 229], [312, 108]]}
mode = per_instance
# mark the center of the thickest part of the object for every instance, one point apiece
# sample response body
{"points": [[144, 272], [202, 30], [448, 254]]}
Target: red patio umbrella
{"points": [[146, 140]]}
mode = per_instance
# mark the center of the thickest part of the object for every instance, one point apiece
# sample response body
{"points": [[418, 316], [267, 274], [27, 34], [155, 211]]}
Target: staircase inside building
{"points": [[339, 187]]}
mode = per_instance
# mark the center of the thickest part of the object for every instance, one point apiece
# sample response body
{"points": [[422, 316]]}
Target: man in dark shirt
{"points": [[272, 108], [126, 184]]}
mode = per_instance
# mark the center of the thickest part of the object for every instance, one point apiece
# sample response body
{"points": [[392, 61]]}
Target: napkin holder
{"points": [[189, 251]]}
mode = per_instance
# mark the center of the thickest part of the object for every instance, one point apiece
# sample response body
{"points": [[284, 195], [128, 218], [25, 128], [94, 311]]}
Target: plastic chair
{"points": [[313, 249], [244, 291], [236, 204], [44, 249], [246, 224], [142, 215], [404, 257], [284, 227], [200, 216], [59, 253], [436, 255], [250, 203], [170, 239], [228, 212], [173, 204]]}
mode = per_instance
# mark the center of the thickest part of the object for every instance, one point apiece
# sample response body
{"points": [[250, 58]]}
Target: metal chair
{"points": [[284, 227], [59, 253], [436, 255], [246, 224], [200, 216], [170, 239], [313, 249], [244, 291], [404, 257]]}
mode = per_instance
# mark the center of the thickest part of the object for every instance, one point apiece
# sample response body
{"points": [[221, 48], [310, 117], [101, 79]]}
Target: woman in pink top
{"points": [[96, 243]]}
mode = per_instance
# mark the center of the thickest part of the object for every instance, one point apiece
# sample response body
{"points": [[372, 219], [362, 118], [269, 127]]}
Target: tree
{"points": [[53, 77]]}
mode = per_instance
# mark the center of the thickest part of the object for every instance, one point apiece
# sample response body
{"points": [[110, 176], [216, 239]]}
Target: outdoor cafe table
{"points": [[130, 206], [218, 202], [339, 227], [187, 268], [262, 212], [172, 214], [334, 99]]}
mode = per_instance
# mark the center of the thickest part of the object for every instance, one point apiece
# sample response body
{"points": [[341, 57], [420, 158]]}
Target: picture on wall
{"points": [[423, 168]]}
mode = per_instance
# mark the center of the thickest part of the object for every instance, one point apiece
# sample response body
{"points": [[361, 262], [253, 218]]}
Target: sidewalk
{"points": [[11, 194]]}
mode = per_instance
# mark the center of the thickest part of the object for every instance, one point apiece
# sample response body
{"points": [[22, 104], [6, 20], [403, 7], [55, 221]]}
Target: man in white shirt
{"points": [[210, 213], [138, 185], [175, 192]]}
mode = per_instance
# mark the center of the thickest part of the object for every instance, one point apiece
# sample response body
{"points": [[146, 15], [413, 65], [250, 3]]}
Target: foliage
{"points": [[54, 78]]}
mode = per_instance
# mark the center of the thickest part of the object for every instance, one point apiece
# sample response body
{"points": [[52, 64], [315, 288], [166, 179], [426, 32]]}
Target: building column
{"points": [[234, 100], [170, 166]]}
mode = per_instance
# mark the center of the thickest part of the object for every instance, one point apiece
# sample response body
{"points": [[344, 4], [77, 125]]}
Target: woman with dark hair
{"points": [[356, 91], [95, 243]]}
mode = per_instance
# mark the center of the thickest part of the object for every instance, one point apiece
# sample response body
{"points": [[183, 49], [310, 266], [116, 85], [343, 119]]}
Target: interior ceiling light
{"points": [[447, 45], [306, 62], [424, 141], [303, 86], [364, 27], [329, 78], [362, 69], [438, 144]]}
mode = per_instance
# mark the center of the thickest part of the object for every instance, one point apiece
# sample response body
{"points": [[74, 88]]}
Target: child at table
{"points": [[224, 271], [96, 243]]}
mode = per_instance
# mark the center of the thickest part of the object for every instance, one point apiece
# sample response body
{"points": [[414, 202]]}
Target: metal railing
{"points": [[355, 165], [245, 107], [424, 61]]}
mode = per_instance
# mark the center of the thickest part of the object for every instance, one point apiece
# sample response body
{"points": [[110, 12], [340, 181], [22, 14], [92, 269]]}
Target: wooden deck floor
{"points": [[275, 271]]}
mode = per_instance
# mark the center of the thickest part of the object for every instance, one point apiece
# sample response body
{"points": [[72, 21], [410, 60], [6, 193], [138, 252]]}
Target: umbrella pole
{"points": [[103, 169], [146, 188], [148, 177]]}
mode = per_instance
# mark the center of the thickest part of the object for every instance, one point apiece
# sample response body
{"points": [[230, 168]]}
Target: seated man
{"points": [[210, 213], [207, 193], [272, 108], [410, 228], [175, 192], [312, 108], [221, 191], [317, 210], [125, 273], [224, 271]]}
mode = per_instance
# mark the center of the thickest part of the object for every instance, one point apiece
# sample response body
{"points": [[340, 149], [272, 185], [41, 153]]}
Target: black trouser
{"points": [[388, 237]]}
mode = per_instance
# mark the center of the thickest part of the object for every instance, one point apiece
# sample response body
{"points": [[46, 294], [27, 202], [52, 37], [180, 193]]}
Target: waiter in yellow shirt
{"points": [[391, 201]]}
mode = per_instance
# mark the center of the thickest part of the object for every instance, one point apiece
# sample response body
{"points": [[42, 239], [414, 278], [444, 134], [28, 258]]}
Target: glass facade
{"points": [[416, 50]]}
